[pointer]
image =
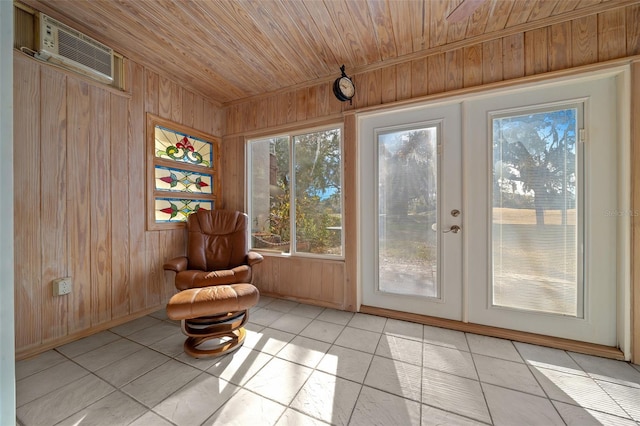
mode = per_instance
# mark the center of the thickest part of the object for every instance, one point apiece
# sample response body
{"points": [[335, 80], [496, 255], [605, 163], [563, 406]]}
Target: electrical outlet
{"points": [[62, 286]]}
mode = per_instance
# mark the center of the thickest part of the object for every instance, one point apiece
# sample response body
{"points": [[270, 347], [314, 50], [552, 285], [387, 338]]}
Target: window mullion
{"points": [[292, 197]]}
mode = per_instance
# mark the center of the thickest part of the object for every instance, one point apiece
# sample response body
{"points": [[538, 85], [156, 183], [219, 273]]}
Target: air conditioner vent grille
{"points": [[88, 54], [74, 50]]}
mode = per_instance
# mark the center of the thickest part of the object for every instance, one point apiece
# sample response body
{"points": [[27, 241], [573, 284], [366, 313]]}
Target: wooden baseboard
{"points": [[304, 300], [35, 350], [503, 333]]}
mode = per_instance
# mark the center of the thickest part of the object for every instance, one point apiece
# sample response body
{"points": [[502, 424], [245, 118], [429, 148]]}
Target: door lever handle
{"points": [[454, 228]]}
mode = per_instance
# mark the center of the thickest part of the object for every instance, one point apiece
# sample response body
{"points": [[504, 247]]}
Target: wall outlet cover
{"points": [[62, 286]]}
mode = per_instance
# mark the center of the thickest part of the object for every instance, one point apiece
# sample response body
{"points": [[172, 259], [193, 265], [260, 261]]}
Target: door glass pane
{"points": [[536, 212], [407, 207]]}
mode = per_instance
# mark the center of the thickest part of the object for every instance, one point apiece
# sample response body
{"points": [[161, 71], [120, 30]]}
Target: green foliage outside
{"points": [[317, 169]]}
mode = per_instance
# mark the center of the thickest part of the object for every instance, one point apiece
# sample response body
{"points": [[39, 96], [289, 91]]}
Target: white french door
{"points": [[492, 209], [410, 200], [540, 174]]}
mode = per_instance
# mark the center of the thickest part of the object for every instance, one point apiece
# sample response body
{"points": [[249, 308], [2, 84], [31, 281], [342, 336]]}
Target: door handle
{"points": [[454, 228]]}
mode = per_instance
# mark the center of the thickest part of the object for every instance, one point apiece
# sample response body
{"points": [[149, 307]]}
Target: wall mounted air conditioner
{"points": [[71, 49]]}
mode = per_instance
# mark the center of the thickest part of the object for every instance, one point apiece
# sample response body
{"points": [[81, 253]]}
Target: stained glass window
{"points": [[177, 209], [180, 147], [183, 173], [176, 180]]}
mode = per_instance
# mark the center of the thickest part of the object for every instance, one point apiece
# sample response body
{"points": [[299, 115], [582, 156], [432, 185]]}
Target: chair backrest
{"points": [[217, 239]]}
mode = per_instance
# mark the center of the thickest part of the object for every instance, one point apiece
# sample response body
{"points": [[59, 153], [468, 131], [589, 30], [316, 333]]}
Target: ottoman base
{"points": [[214, 336], [216, 333]]}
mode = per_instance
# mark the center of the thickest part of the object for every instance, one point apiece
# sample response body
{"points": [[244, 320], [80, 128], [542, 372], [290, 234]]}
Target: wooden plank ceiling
{"points": [[233, 49]]}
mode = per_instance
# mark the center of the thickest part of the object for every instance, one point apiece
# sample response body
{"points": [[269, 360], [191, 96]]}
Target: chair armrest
{"points": [[194, 278], [253, 258], [177, 264]]}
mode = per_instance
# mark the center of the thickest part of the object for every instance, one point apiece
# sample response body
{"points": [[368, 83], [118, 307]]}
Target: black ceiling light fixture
{"points": [[343, 87]]}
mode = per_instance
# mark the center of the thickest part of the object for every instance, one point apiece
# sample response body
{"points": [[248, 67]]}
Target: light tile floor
{"points": [[305, 365]]}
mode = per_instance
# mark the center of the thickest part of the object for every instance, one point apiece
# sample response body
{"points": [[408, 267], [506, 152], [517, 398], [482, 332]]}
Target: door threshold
{"points": [[502, 333]]}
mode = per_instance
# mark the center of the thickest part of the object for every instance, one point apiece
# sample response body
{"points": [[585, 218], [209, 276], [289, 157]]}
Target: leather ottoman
{"points": [[216, 313]]}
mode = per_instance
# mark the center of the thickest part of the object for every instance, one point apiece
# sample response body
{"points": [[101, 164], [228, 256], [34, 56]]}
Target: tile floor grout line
{"points": [[457, 414], [185, 385], [552, 400], [364, 377], [361, 384], [612, 398], [475, 367], [60, 387], [597, 382], [89, 372], [548, 397], [595, 379], [94, 402], [353, 409], [315, 368]]}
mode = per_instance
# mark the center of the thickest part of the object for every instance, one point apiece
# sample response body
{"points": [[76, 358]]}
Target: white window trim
{"points": [[290, 134]]}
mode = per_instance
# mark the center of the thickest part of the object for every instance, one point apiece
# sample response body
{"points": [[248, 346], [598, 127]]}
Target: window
{"points": [[295, 192], [183, 174]]}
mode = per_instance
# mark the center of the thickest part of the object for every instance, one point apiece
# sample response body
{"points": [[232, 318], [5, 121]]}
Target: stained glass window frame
{"points": [[184, 158]]}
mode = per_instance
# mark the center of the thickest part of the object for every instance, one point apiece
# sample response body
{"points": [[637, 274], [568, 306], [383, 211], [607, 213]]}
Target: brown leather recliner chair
{"points": [[214, 280]]}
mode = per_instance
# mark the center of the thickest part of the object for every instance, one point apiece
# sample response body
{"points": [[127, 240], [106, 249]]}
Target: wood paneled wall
{"points": [[581, 41], [318, 282], [79, 161]]}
